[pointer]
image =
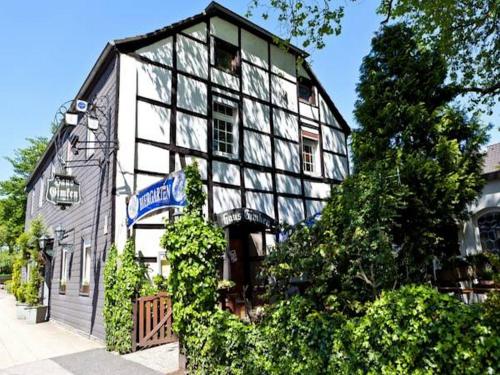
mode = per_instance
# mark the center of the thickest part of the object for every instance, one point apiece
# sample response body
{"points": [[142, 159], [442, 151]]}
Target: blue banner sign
{"points": [[168, 192]]}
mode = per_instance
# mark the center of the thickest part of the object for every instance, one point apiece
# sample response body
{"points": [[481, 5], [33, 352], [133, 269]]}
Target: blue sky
{"points": [[49, 48]]}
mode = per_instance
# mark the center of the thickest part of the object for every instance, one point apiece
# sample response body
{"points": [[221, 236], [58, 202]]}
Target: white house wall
{"points": [[172, 127]]}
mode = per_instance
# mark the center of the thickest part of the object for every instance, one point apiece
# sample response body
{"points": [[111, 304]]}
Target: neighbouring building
{"points": [[482, 232], [214, 88]]}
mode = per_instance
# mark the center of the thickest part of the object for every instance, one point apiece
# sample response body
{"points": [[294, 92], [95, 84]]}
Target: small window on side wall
{"points": [[226, 57], [310, 152], [65, 257], [224, 130], [307, 92], [86, 266]]}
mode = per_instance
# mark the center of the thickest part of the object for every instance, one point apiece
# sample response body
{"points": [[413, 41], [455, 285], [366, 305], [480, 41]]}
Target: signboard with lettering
{"points": [[168, 192], [63, 190], [247, 215]]}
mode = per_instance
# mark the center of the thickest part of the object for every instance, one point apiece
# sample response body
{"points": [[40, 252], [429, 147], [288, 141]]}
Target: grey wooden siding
{"points": [[84, 222]]}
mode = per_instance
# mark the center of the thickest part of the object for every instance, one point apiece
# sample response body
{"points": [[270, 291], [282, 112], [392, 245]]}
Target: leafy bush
{"points": [[8, 286], [417, 330], [123, 278], [6, 262], [32, 287]]}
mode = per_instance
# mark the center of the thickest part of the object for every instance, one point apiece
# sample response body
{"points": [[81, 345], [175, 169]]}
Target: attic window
{"points": [[306, 92], [226, 56]]}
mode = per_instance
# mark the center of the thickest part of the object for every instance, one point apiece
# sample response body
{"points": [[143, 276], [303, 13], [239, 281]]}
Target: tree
{"points": [[465, 32], [12, 191], [405, 116]]}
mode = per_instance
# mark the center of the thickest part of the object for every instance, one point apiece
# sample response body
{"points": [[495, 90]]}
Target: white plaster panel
{"points": [[225, 79], [309, 123], [333, 140], [335, 166], [198, 31], [286, 125], [258, 180], [316, 189], [226, 173], [313, 207], [302, 72], [154, 82], [160, 51], [151, 158], [287, 156], [255, 81], [284, 93], [226, 199], [202, 164], [326, 114], [224, 30], [225, 92], [147, 242], [153, 122], [257, 148], [159, 217], [262, 202], [125, 157], [256, 115], [142, 181], [283, 63], [191, 132], [288, 184], [290, 210], [191, 94], [254, 49], [192, 57], [309, 111]]}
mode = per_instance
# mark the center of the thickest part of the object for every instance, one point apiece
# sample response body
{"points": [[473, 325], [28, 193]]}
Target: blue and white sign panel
{"points": [[168, 192]]}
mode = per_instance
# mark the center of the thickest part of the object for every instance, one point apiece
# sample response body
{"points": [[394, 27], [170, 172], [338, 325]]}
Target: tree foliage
{"points": [[12, 191], [465, 32], [405, 117]]}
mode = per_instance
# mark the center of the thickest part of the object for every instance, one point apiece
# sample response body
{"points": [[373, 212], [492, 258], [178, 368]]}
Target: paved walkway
{"points": [[47, 348]]}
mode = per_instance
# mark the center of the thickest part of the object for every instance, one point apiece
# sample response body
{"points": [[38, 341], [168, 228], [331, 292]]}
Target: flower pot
{"points": [[36, 314], [21, 310]]}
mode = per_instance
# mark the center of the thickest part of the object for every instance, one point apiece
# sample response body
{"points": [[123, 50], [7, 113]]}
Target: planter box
{"points": [[36, 314], [21, 310]]}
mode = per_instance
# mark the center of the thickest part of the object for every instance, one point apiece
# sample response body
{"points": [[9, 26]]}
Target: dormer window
{"points": [[226, 56], [306, 92]]}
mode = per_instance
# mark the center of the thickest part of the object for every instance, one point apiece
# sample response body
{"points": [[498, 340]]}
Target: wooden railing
{"points": [[152, 321]]}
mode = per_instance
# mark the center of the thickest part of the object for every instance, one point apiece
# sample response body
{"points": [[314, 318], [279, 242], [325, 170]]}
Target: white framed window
{"points": [[69, 157], [310, 152], [65, 256], [41, 196], [226, 56], [86, 268], [90, 144], [32, 206], [225, 129]]}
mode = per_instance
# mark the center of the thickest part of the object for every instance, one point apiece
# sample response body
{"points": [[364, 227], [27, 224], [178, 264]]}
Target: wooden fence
{"points": [[152, 321]]}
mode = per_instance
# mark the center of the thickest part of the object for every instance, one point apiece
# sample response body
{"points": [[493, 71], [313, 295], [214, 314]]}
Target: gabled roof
{"points": [[133, 43], [492, 159]]}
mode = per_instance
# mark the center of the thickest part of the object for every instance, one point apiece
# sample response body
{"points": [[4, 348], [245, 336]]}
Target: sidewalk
{"points": [[23, 343], [46, 348]]}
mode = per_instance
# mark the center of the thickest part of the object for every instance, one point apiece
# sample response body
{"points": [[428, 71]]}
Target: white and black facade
{"points": [[213, 88]]}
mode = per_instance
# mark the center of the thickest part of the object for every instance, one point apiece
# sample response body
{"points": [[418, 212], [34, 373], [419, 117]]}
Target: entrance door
{"points": [[245, 254]]}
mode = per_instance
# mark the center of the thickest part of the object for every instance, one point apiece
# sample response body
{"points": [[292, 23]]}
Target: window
{"points": [[42, 192], [310, 151], [224, 140], [64, 271], [69, 157], [489, 231], [90, 144], [86, 267], [32, 207], [226, 57], [306, 92]]}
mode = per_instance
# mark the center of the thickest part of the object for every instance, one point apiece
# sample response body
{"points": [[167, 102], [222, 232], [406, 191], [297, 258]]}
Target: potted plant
{"points": [[35, 312], [20, 302]]}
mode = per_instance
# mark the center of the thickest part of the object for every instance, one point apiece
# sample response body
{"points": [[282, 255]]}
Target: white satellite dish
{"points": [[82, 106]]}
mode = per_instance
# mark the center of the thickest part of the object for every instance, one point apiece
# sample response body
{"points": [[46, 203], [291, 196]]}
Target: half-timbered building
{"points": [[216, 89]]}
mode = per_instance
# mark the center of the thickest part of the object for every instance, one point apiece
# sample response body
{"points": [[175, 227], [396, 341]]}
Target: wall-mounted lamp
{"points": [[46, 245], [59, 232]]}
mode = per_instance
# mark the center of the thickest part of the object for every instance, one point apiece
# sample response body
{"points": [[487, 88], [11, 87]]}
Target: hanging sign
{"points": [[168, 192], [63, 190], [247, 215]]}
